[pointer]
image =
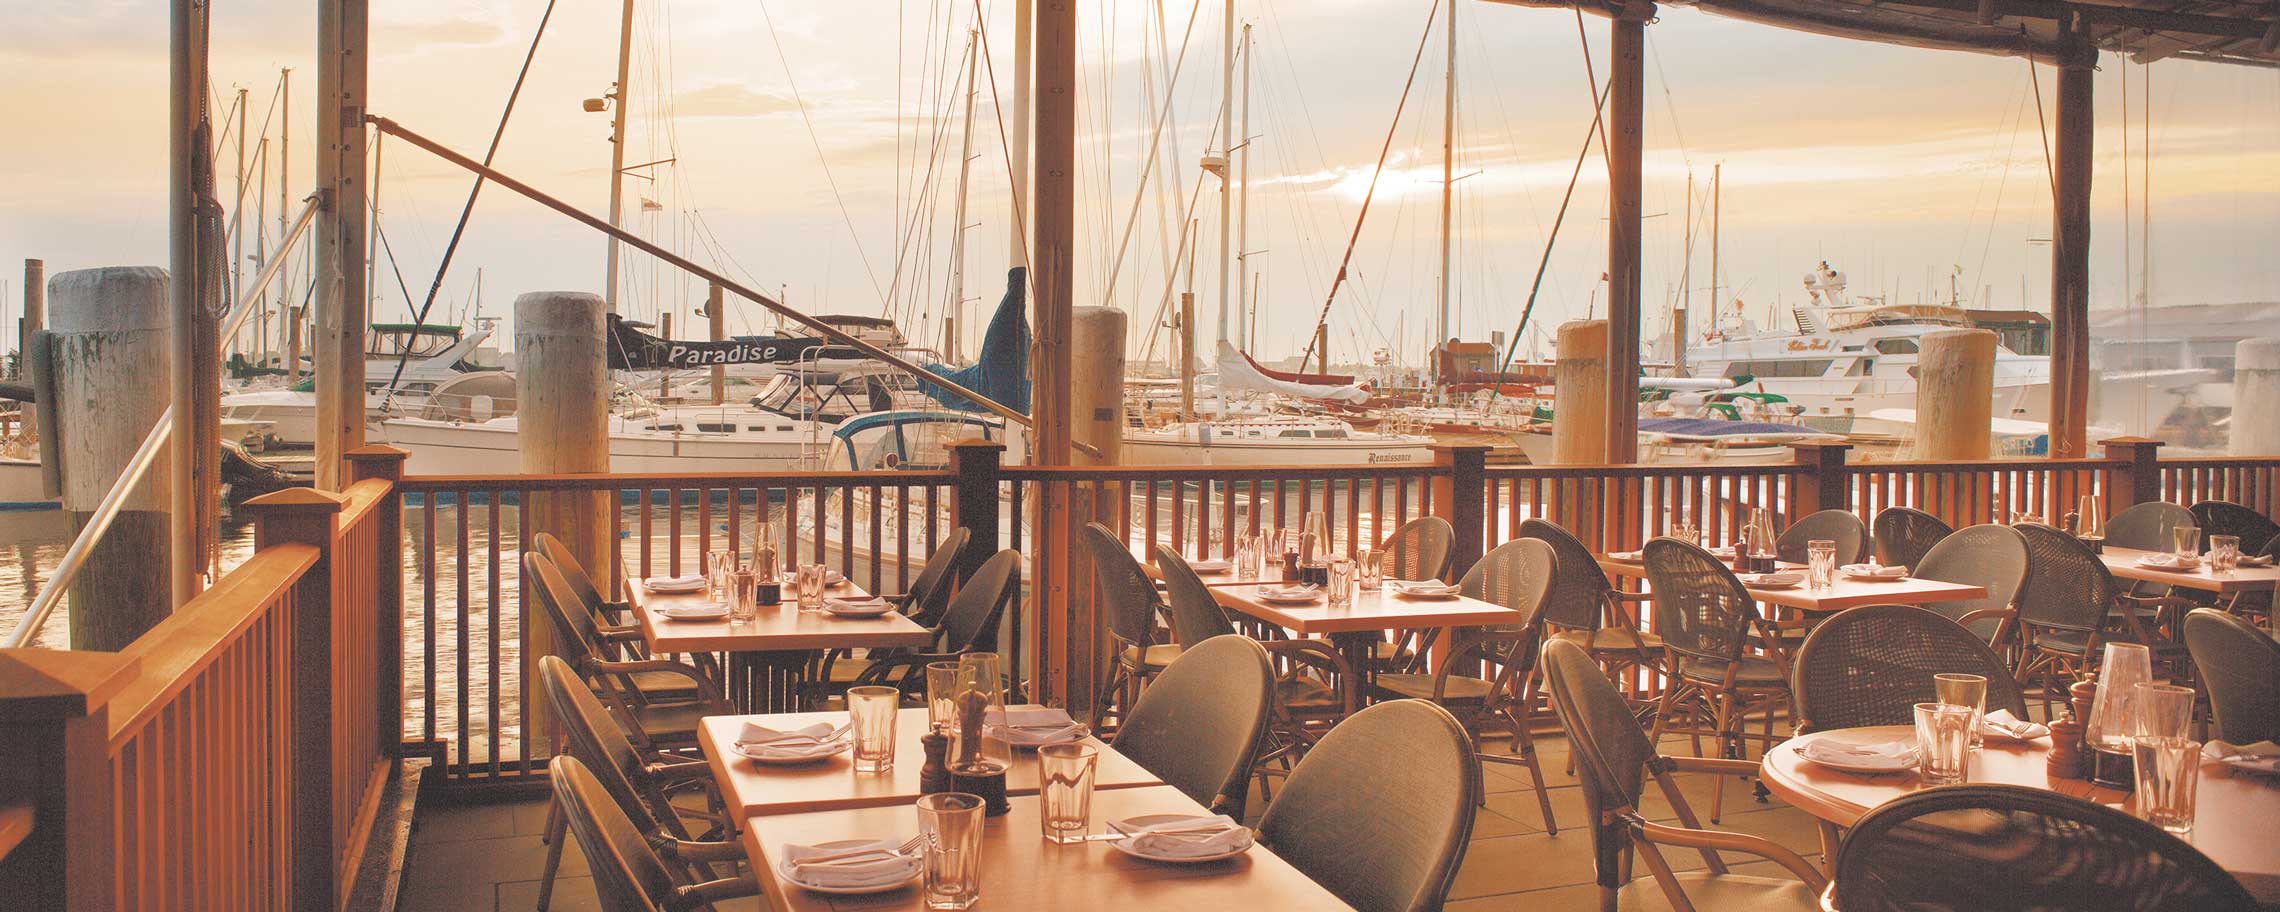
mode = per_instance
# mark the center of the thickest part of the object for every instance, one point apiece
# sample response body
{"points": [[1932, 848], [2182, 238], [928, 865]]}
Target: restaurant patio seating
{"points": [[1379, 812], [1998, 848], [1991, 557], [1135, 617], [1706, 618], [969, 624], [607, 612], [1418, 550], [1199, 726], [1903, 535], [2239, 666], [2148, 527], [1581, 601], [1613, 759], [1871, 666], [925, 602], [1839, 526], [656, 719], [2223, 517], [2066, 614], [628, 874]]}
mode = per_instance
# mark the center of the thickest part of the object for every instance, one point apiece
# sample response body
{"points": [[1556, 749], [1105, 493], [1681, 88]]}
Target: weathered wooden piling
{"points": [[562, 392], [34, 320], [1579, 394], [1955, 394], [2256, 398]]}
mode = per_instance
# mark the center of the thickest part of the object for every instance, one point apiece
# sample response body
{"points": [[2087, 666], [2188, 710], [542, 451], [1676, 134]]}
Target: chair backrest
{"points": [[1517, 575], [1701, 610], [2067, 587], [1380, 809], [576, 636], [970, 621], [1610, 751], [1991, 557], [2147, 525], [574, 573], [1839, 526], [595, 739], [628, 876], [2223, 517], [1578, 596], [2241, 667], [1123, 585], [1418, 550], [929, 592], [2000, 848], [1871, 665], [1905, 534], [1196, 615], [1198, 725]]}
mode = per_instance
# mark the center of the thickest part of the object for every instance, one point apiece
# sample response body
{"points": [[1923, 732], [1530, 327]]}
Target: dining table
{"points": [[1271, 574], [1357, 628], [2124, 563], [1845, 591], [2236, 813], [773, 662]]}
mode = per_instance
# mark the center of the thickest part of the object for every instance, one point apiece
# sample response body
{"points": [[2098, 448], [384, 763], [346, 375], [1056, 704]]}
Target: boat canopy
{"points": [[1001, 368], [906, 440], [1238, 373]]}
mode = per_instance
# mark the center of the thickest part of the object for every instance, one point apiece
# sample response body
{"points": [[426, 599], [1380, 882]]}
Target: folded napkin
{"points": [[1895, 754], [1720, 551], [2255, 560], [821, 734], [2168, 561], [864, 607], [2263, 756], [706, 610], [872, 871], [1153, 839], [2000, 724], [1214, 565], [1032, 727], [1294, 591], [1632, 556], [1424, 587], [1876, 571], [1773, 580], [670, 583]]}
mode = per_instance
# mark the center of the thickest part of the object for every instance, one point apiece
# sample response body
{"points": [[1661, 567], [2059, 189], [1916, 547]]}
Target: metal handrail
{"points": [[138, 466]]}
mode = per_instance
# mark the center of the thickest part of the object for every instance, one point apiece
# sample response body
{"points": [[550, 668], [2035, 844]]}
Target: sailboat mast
{"points": [[1247, 316], [1678, 316], [958, 234], [1716, 188], [617, 153], [1448, 186], [1226, 144], [1024, 30]]}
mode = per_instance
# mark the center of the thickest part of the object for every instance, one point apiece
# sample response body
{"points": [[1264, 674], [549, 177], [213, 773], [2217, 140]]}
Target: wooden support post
{"points": [[2070, 248], [1955, 394], [1626, 112], [293, 342], [716, 312], [342, 312], [2256, 398], [387, 464], [1460, 495], [308, 516], [1822, 481], [1579, 397], [1077, 647], [2136, 476], [1054, 258], [975, 500], [34, 320], [55, 737], [562, 398]]}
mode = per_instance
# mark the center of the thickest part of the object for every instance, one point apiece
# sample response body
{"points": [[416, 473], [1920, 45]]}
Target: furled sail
{"points": [[1001, 368], [1238, 373]]}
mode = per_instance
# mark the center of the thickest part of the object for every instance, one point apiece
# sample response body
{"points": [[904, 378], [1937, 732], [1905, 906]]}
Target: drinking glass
{"points": [[872, 710], [809, 586], [1065, 787], [2093, 513], [1246, 558], [1943, 742], [2224, 554], [719, 563], [743, 596], [1341, 582], [952, 825], [1314, 542], [2168, 774], [942, 683], [2185, 541], [1964, 690], [985, 673], [2113, 714], [1686, 532], [1821, 563], [1370, 570], [2163, 711]]}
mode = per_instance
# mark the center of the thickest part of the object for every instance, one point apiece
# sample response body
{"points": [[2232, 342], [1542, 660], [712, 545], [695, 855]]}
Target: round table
{"points": [[2235, 815]]}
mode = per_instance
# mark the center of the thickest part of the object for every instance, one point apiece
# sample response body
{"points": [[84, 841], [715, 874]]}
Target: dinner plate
{"points": [[786, 868], [708, 612], [664, 586], [838, 747], [1211, 566], [1863, 764], [1145, 820], [1771, 581], [857, 609], [1284, 598], [1425, 596]]}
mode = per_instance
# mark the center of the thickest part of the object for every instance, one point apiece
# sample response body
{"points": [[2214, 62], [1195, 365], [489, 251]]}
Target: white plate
{"points": [[841, 746], [1424, 596], [785, 868], [1873, 578], [1123, 845], [664, 587], [1211, 566], [1759, 581], [1029, 740], [1282, 598], [1870, 765], [844, 608], [709, 612]]}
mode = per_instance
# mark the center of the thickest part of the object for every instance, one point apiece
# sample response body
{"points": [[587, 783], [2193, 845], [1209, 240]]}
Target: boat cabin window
{"points": [[419, 343], [717, 428], [665, 427], [1297, 434], [1787, 367], [1330, 434], [1896, 346]]}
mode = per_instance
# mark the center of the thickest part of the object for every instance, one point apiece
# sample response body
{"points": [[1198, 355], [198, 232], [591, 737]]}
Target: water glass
{"points": [[1964, 690], [743, 596], [1370, 570], [2113, 713], [1065, 787], [2168, 774], [985, 673], [872, 710], [808, 585], [952, 825], [2186, 541], [2224, 554], [1341, 582], [1687, 532], [1821, 563], [719, 563], [2163, 711], [943, 679], [1943, 742], [1246, 557]]}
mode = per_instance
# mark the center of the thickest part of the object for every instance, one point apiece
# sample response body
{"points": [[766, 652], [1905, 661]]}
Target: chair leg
{"points": [[557, 827]]}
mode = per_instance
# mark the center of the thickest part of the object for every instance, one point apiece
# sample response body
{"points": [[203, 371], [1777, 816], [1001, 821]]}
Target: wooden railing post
{"points": [[308, 516], [2136, 476], [55, 762], [1460, 495], [1822, 481], [975, 498], [387, 463]]}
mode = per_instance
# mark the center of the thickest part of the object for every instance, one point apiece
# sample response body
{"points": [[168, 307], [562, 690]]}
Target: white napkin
{"points": [[1032, 727], [1214, 565], [1772, 580], [674, 583], [862, 607], [2255, 560], [1726, 551], [880, 870], [818, 740], [706, 610], [1151, 840], [2001, 725], [1883, 753], [1424, 587], [1295, 591], [1877, 571], [2169, 561], [2263, 756], [1627, 555]]}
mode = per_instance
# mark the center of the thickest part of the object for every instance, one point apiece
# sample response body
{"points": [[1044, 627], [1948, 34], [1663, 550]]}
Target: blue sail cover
{"points": [[1001, 370]]}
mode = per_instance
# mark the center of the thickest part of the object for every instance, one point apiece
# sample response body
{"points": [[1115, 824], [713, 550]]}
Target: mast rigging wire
{"points": [[800, 102], [1598, 112]]}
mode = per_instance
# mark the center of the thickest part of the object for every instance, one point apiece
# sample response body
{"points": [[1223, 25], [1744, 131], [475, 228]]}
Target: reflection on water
{"points": [[32, 542]]}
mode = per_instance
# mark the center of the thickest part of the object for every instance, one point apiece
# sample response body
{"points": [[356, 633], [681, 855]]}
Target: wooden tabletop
{"points": [[1271, 575], [783, 627], [2122, 562], [833, 784], [2233, 812], [1844, 592], [1020, 870], [1371, 611]]}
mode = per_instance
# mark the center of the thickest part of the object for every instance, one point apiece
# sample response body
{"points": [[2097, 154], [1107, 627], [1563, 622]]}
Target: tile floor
{"points": [[488, 858]]}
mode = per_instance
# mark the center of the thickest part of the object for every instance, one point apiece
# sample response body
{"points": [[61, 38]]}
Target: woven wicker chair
{"points": [[1905, 534], [1582, 599], [606, 612], [2223, 517], [2239, 665], [969, 624], [1613, 758], [1706, 618], [628, 875], [2062, 611], [656, 719], [1515, 575], [1991, 557], [2004, 848], [1839, 526], [1379, 812], [1135, 619], [1871, 665], [924, 602], [1198, 727]]}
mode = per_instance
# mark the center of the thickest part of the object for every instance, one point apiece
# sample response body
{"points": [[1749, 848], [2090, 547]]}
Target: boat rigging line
{"points": [[800, 102], [1148, 164], [1598, 112]]}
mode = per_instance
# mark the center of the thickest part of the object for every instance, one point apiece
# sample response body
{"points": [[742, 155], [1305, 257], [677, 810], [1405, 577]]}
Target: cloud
{"points": [[731, 99], [451, 30]]}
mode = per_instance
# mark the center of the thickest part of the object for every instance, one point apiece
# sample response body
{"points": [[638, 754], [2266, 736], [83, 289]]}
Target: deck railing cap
{"points": [[39, 685], [295, 500]]}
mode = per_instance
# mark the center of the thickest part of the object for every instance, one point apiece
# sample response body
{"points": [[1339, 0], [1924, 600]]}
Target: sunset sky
{"points": [[1901, 167]]}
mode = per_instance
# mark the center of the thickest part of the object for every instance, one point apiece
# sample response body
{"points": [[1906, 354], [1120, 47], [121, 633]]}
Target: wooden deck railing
{"points": [[232, 756]]}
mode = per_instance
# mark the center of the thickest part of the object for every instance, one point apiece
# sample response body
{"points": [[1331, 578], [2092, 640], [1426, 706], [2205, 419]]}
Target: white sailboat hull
{"points": [[1184, 446], [489, 448]]}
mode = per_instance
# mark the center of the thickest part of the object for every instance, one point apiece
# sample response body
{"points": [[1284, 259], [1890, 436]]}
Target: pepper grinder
{"points": [[934, 777]]}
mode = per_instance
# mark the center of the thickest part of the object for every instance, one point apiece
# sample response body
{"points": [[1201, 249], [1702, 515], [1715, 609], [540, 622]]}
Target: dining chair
{"points": [[628, 875], [2064, 612], [2223, 517], [1418, 550], [1613, 760], [1903, 535], [1135, 618], [1199, 725], [611, 618], [1706, 618], [1515, 575], [2239, 666], [1380, 810], [1991, 557], [2148, 527], [636, 786], [1583, 607], [2008, 848], [969, 624], [1840, 526], [923, 602], [1871, 665], [656, 720]]}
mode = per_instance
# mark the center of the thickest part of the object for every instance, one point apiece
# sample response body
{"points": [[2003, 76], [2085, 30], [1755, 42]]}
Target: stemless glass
{"points": [[1341, 582], [1964, 690], [1065, 787], [809, 586], [719, 563], [2113, 714], [872, 710], [1943, 742], [942, 683], [743, 596], [2185, 541], [2163, 711], [985, 673], [2168, 775], [2224, 554], [1686, 532], [951, 822], [1246, 558], [1821, 563], [1369, 570]]}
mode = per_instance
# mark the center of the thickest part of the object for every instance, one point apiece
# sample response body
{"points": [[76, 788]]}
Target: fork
{"points": [[910, 845]]}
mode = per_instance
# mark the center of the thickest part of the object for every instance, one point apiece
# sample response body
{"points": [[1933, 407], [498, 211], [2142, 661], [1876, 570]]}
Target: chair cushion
{"points": [[2071, 642], [1756, 671], [845, 669], [665, 686], [1610, 639], [1707, 891], [672, 722], [1420, 686], [1157, 656], [1304, 692]]}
